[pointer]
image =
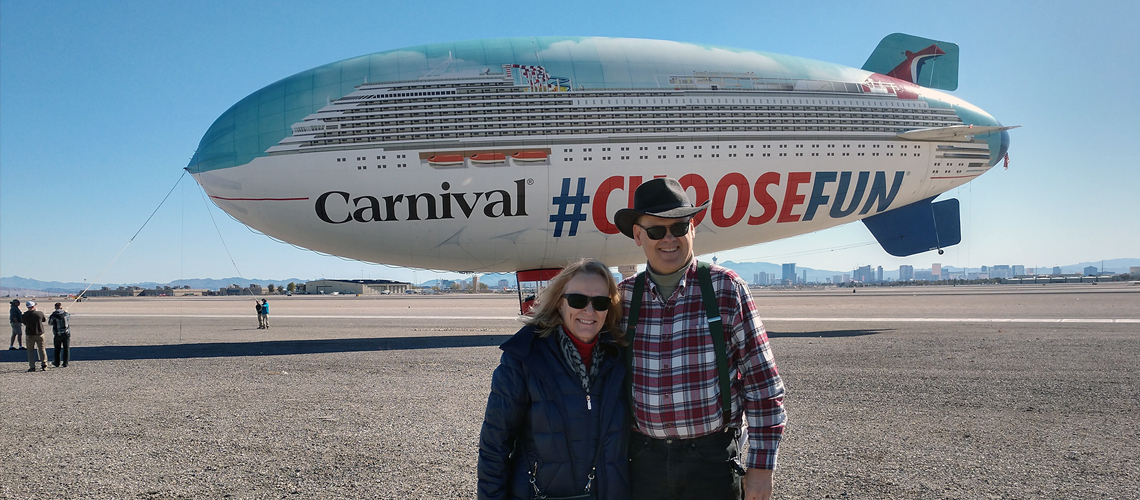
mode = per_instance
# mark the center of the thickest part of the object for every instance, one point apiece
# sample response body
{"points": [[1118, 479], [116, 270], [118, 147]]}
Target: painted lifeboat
{"points": [[446, 160], [529, 156], [488, 158]]}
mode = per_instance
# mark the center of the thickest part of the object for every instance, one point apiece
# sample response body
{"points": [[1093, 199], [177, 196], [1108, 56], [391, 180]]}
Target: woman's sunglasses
{"points": [[657, 232], [579, 301]]}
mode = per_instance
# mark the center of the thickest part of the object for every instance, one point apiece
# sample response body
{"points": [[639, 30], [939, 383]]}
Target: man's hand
{"points": [[758, 484]]}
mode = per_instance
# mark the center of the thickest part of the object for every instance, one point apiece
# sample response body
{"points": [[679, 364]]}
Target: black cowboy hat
{"points": [[663, 197]]}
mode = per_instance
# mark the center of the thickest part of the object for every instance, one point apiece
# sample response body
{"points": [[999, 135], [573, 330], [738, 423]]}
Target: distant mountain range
{"points": [[747, 270], [15, 283]]}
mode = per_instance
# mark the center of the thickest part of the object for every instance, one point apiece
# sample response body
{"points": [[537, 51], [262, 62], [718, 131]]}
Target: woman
{"points": [[556, 424]]}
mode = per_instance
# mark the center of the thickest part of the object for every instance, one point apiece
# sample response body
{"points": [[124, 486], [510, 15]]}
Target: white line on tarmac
{"points": [[500, 318]]}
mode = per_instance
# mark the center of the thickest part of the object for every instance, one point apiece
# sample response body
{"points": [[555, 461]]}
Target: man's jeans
{"points": [[62, 345], [700, 468]]}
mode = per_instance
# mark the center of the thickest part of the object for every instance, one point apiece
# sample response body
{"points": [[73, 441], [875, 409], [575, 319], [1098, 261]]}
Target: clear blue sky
{"points": [[103, 103]]}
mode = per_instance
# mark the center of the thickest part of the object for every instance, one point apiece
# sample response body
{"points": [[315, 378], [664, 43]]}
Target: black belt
{"points": [[718, 437]]}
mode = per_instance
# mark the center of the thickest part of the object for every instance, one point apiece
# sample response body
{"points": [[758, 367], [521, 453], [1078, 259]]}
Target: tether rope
{"points": [[108, 266]]}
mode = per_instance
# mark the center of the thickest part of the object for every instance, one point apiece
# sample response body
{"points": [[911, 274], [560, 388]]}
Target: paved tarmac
{"points": [[917, 392]]}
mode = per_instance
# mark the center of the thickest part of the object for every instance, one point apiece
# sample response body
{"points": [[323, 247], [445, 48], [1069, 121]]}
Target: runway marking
{"points": [[500, 318]]}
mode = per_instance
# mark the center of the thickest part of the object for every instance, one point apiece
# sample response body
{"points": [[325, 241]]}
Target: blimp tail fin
{"points": [[918, 227], [922, 61]]}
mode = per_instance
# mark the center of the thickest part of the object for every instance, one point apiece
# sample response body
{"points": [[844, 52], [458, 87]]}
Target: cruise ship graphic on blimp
{"points": [[514, 154]]}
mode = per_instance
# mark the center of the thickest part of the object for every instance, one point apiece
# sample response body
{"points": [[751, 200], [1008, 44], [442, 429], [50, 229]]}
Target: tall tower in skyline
{"points": [[906, 273], [789, 273], [936, 271]]}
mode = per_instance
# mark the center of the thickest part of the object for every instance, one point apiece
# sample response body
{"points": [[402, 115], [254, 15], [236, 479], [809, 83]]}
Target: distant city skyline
{"points": [[879, 274]]}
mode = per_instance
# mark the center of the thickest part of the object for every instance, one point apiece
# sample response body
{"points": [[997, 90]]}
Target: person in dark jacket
{"points": [[61, 332], [15, 318], [556, 423]]}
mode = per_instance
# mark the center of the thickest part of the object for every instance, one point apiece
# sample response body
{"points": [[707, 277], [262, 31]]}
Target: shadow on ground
{"points": [[290, 347], [269, 348], [827, 334]]}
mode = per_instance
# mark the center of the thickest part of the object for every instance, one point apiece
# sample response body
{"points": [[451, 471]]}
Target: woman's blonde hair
{"points": [[548, 314]]}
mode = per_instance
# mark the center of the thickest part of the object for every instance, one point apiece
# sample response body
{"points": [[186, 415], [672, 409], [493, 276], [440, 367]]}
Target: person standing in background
{"points": [[14, 317], [34, 330], [264, 318], [61, 333], [260, 316]]}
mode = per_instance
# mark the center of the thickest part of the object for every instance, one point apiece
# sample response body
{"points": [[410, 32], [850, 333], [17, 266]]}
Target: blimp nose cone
{"points": [[1004, 144]]}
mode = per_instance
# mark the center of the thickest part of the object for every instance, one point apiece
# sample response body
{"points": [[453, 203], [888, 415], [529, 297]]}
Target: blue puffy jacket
{"points": [[537, 421]]}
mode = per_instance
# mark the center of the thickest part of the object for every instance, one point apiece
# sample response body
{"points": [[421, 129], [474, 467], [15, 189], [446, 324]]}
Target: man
{"points": [[260, 316], [61, 333], [14, 317], [34, 330], [264, 316], [682, 446]]}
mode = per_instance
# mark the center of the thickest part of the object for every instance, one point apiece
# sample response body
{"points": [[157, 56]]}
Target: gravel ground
{"points": [[351, 397]]}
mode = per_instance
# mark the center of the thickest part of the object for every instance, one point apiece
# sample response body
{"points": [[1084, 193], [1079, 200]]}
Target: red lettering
{"points": [[601, 201], [697, 182], [791, 197], [731, 180], [760, 191]]}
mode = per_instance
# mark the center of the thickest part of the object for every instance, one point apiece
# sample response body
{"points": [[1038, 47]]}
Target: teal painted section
{"points": [[259, 121]]}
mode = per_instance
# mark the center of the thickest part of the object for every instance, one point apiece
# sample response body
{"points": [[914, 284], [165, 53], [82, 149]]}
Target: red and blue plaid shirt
{"points": [[676, 391]]}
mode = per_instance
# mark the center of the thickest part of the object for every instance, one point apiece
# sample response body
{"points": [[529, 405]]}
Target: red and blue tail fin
{"points": [[922, 61]]}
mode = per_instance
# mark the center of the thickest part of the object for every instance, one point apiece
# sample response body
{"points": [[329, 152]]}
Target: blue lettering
{"points": [[817, 197]]}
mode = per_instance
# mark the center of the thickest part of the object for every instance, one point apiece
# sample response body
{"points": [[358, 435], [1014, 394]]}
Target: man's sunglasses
{"points": [[579, 301], [657, 232]]}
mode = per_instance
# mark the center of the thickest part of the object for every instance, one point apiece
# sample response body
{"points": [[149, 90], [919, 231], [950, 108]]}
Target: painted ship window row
{"points": [[569, 125], [510, 109]]}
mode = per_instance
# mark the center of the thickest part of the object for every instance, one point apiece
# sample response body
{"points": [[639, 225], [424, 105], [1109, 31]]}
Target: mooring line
{"points": [[108, 266]]}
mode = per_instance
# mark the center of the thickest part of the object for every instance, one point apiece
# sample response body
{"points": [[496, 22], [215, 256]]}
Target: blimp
{"points": [[509, 155]]}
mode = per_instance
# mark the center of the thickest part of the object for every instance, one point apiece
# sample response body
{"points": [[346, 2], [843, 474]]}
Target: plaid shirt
{"points": [[676, 388]]}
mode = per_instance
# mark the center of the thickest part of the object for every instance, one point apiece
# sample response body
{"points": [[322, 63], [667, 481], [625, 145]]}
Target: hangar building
{"points": [[355, 287]]}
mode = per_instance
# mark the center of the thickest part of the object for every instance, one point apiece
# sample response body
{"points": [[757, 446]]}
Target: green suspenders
{"points": [[716, 330]]}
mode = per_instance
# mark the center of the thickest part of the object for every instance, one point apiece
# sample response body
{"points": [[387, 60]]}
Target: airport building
{"points": [[116, 292], [134, 291], [355, 287]]}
